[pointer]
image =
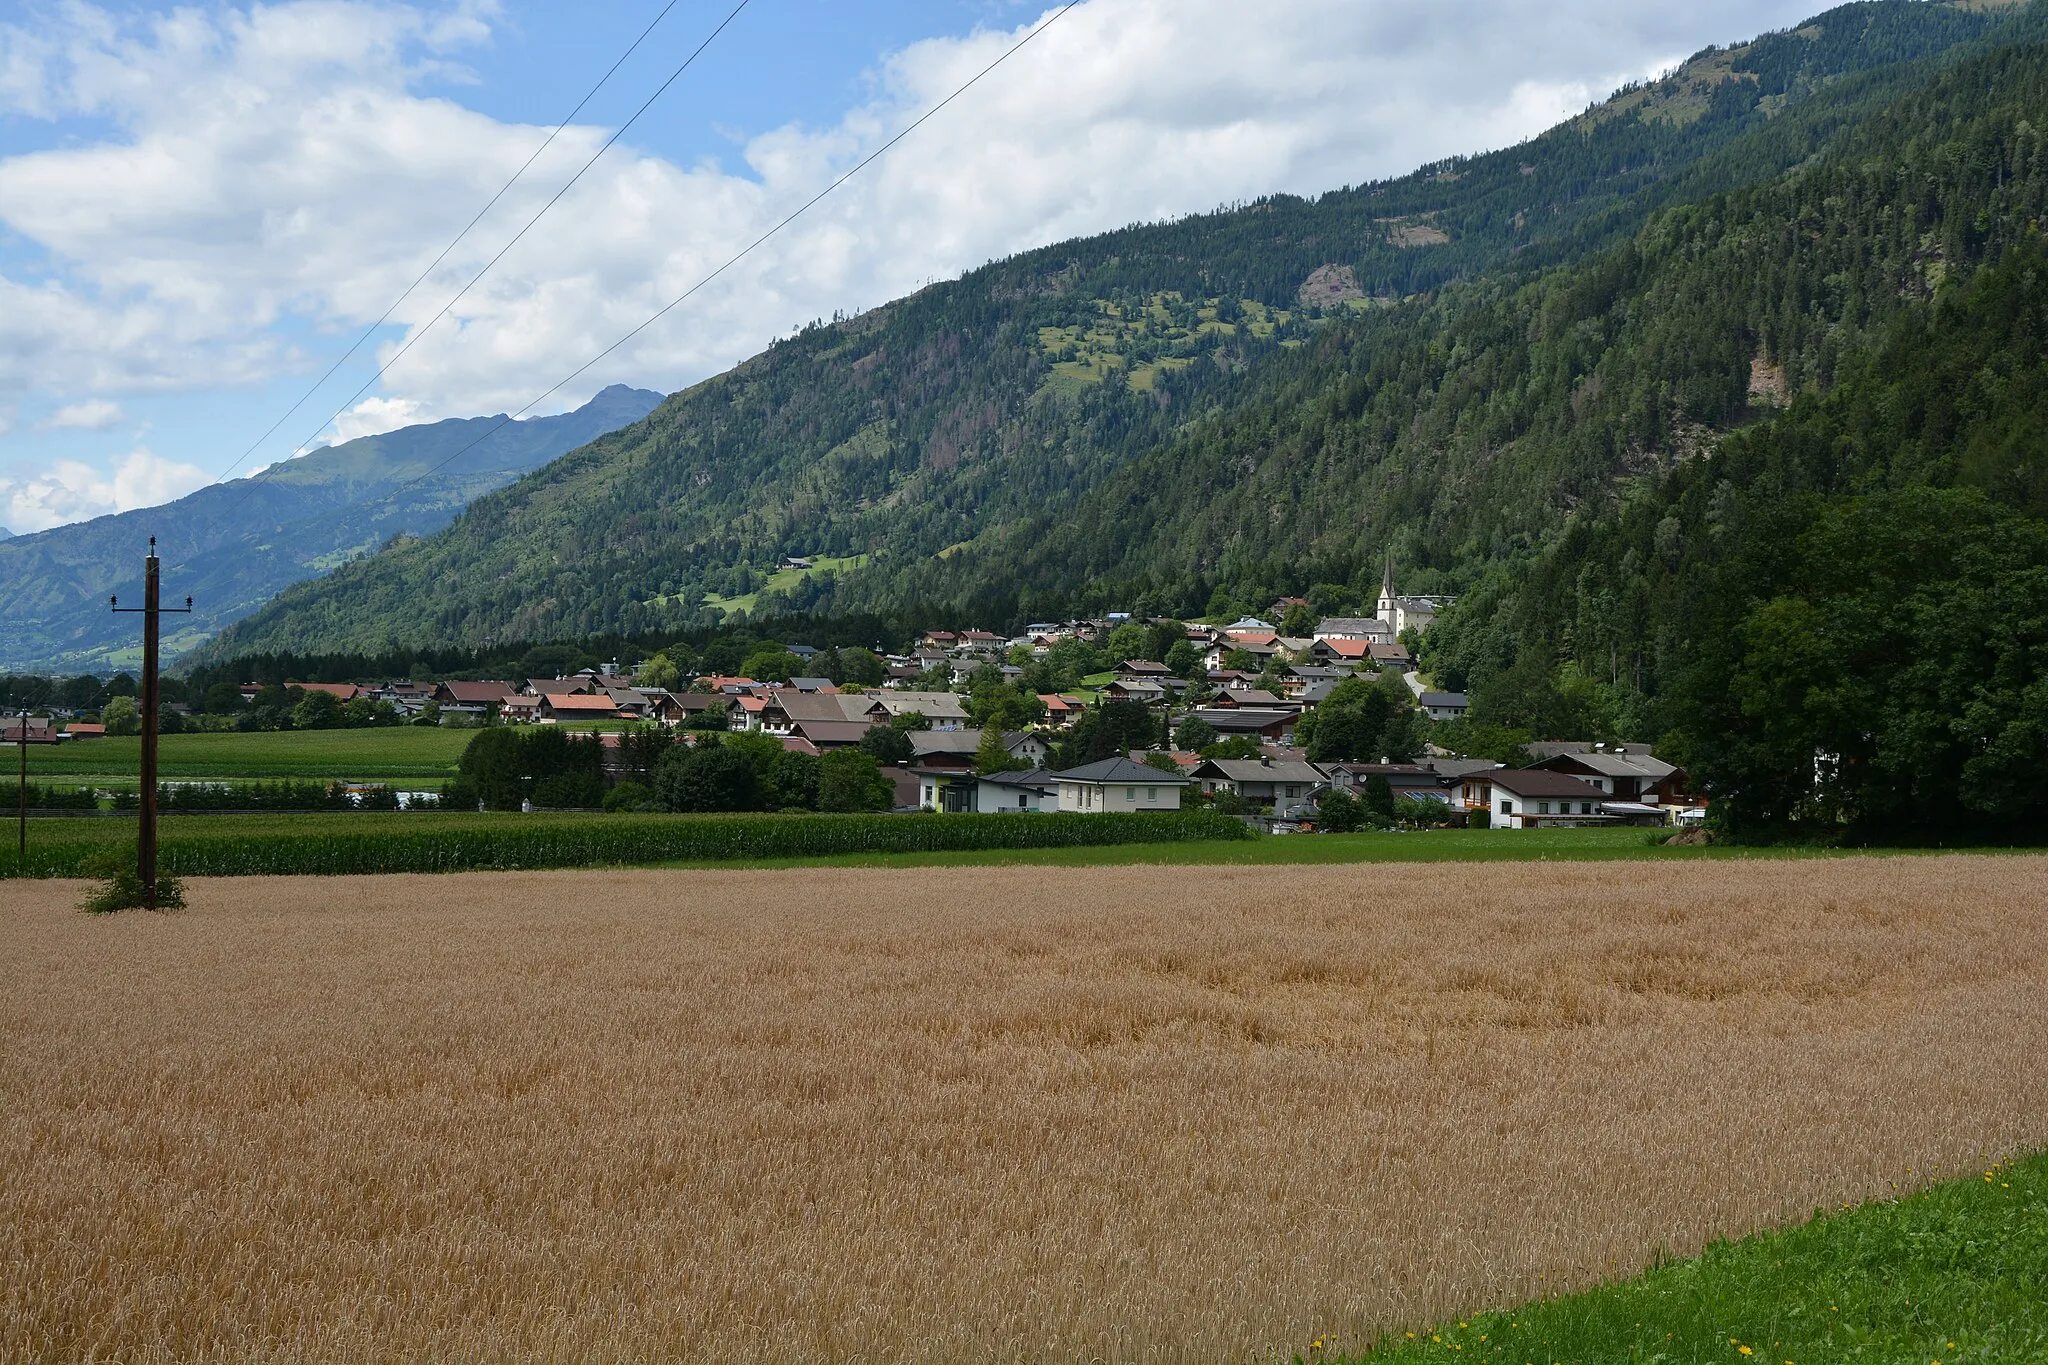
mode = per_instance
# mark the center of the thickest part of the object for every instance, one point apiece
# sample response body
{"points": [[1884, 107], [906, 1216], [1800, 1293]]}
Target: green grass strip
{"points": [[426, 844], [1955, 1275]]}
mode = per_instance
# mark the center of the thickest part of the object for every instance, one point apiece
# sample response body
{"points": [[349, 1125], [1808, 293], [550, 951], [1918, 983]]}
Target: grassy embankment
{"points": [[1952, 1274]]}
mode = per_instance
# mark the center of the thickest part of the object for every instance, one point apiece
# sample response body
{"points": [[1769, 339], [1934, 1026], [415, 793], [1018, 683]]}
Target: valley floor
{"points": [[1139, 1113]]}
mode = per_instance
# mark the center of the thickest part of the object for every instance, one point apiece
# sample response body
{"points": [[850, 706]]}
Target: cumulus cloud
{"points": [[279, 164], [71, 490], [94, 414]]}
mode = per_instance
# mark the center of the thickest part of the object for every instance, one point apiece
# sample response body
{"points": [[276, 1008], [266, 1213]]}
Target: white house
{"points": [[1117, 784], [1372, 632], [1444, 705], [1529, 798]]}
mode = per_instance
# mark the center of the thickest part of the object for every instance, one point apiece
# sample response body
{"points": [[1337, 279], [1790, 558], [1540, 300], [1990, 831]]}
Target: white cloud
{"points": [[94, 414], [71, 490], [277, 164], [375, 416]]}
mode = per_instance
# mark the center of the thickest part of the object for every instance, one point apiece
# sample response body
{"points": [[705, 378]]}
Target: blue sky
{"points": [[200, 207]]}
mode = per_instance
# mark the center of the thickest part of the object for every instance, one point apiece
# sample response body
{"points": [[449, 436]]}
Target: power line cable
{"points": [[749, 249], [503, 190], [421, 331]]}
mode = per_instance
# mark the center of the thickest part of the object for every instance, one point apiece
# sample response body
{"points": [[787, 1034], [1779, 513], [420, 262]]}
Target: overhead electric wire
{"points": [[503, 190], [421, 331], [750, 248]]}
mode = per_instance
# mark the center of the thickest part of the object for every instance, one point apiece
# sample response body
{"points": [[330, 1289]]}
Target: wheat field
{"points": [[1129, 1114]]}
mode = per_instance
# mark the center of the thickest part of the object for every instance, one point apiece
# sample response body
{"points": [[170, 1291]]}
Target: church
{"points": [[1403, 614]]}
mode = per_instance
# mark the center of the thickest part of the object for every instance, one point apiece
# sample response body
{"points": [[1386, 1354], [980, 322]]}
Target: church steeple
{"points": [[1386, 603]]}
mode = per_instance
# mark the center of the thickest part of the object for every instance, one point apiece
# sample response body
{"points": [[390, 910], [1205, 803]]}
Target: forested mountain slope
{"points": [[1467, 428], [977, 441], [234, 546]]}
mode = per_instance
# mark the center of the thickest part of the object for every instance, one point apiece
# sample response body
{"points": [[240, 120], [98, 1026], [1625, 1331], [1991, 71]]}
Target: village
{"points": [[1220, 723]]}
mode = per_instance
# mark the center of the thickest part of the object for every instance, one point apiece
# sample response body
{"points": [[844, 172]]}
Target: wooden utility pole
{"points": [[21, 743], [150, 610]]}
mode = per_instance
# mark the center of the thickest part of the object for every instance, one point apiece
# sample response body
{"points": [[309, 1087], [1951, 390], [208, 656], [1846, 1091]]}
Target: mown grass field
{"points": [[404, 751], [1030, 1113]]}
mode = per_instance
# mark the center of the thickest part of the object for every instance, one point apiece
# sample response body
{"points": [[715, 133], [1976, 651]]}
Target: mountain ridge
{"points": [[234, 546]]}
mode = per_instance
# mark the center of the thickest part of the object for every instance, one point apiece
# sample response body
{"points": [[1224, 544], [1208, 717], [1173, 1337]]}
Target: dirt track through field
{"points": [[969, 1113]]}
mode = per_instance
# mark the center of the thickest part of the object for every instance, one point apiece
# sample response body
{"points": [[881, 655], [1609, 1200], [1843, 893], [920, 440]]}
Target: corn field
{"points": [[943, 1114], [438, 843]]}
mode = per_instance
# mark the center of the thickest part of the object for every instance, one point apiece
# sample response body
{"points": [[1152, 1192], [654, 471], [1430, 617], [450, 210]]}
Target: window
{"points": [[1585, 807], [1507, 807], [1151, 793], [1543, 808], [1130, 793]]}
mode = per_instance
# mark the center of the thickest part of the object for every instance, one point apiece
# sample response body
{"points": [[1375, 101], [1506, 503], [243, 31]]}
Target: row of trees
{"points": [[504, 768]]}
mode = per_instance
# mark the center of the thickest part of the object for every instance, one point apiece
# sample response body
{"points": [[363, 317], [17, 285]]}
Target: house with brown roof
{"points": [[1530, 798], [474, 695], [561, 706], [344, 692]]}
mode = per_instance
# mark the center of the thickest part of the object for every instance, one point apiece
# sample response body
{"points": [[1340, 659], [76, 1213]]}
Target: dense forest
{"points": [[920, 444]]}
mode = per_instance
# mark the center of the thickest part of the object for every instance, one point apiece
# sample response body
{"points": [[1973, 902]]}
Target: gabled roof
{"points": [[578, 701], [1352, 625], [1541, 782], [1122, 771], [548, 687], [833, 731], [1038, 779], [1611, 765], [475, 693], [343, 691], [1259, 770], [1249, 696], [924, 742], [1350, 649], [832, 706], [1443, 699], [1457, 768], [933, 705]]}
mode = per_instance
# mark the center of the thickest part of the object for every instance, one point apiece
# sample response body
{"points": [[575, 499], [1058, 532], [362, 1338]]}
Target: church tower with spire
{"points": [[1389, 608]]}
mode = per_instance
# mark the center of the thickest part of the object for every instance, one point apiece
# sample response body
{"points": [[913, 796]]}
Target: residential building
{"points": [[1249, 720], [1136, 689], [826, 735], [571, 706], [1363, 629], [581, 685], [1531, 798], [1341, 651], [1287, 786], [1406, 779], [1117, 784], [1625, 775], [942, 709], [994, 794], [1444, 705]]}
